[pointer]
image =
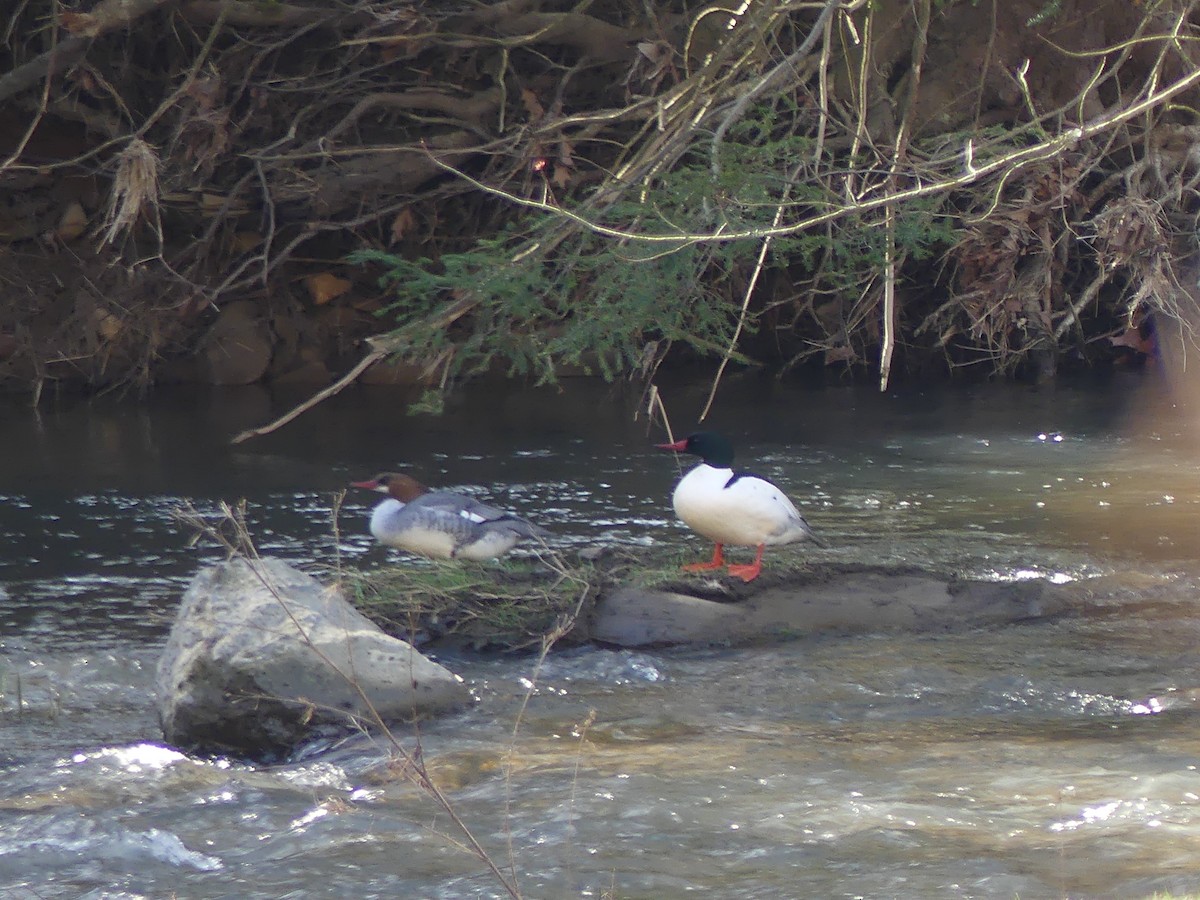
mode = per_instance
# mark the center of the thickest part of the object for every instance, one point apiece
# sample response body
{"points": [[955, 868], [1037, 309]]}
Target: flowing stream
{"points": [[1041, 758]]}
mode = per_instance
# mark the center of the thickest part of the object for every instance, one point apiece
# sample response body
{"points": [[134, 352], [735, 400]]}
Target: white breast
{"points": [[746, 511], [413, 530], [382, 518]]}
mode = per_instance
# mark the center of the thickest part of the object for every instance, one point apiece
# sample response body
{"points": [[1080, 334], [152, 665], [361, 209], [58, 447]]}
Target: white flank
{"points": [[749, 512]]}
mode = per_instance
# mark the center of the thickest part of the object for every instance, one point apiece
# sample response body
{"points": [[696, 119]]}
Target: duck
{"points": [[732, 507], [442, 524]]}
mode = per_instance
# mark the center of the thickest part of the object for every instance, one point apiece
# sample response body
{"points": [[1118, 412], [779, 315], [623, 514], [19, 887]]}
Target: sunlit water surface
{"points": [[1036, 759]]}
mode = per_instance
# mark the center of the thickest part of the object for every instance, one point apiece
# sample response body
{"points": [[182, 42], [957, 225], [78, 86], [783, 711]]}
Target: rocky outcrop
{"points": [[821, 601], [262, 654]]}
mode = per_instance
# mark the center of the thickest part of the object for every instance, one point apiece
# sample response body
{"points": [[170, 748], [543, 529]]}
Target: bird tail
{"points": [[812, 535], [519, 526]]}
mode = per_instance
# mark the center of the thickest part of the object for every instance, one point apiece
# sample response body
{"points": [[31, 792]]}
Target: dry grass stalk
{"points": [[135, 190]]}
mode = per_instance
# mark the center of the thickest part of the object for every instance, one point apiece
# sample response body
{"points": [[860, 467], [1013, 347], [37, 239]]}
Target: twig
{"points": [[262, 15], [43, 104], [899, 154], [188, 79], [753, 282], [548, 642], [889, 298], [269, 237], [50, 63], [770, 81], [1007, 165], [365, 363], [106, 16]]}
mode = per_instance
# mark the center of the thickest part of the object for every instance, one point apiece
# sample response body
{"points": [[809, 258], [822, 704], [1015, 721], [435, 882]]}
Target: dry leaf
{"points": [[80, 24], [402, 224], [400, 48], [107, 324], [245, 241], [843, 353], [533, 106], [367, 304], [72, 223], [566, 153], [325, 286], [651, 64], [1133, 338], [212, 203]]}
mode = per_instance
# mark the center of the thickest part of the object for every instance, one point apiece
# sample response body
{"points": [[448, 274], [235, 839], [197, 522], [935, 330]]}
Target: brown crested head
{"points": [[404, 488]]}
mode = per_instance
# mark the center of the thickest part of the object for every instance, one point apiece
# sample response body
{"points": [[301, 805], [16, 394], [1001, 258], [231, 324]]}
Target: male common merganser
{"points": [[442, 524], [729, 507]]}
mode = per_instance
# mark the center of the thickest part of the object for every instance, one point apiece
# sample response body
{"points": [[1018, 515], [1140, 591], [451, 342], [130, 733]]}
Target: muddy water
{"points": [[1035, 759]]}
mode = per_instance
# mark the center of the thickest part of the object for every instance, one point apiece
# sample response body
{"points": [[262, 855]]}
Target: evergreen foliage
{"points": [[611, 306]]}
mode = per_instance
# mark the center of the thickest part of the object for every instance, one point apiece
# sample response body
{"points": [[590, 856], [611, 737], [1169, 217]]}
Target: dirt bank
{"points": [[873, 188]]}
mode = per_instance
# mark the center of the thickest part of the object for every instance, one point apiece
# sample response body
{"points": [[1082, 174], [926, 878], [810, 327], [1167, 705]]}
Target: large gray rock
{"points": [[821, 601], [261, 653]]}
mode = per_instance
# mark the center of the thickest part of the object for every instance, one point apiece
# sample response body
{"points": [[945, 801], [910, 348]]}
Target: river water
{"points": [[1042, 758]]}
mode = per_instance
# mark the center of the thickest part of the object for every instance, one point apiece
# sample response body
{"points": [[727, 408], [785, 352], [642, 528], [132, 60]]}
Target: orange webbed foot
{"points": [[717, 561], [746, 572], [751, 571]]}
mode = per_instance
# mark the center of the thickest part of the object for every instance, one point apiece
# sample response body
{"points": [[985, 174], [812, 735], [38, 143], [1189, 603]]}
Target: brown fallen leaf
{"points": [[80, 24], [1133, 338], [402, 224], [532, 104], [844, 353], [108, 325], [325, 286], [245, 241], [72, 223]]}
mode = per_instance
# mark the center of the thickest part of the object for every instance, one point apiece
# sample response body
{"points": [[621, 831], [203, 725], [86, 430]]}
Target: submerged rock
{"points": [[261, 654]]}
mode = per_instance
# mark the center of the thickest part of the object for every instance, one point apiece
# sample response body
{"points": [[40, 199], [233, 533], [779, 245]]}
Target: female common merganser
{"points": [[442, 524], [729, 507]]}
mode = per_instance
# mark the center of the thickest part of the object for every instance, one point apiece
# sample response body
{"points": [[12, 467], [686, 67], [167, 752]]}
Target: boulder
{"points": [[238, 347], [261, 654]]}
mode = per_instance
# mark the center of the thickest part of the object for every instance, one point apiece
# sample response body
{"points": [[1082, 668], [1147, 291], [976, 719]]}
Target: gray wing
{"points": [[472, 511], [434, 518], [459, 504]]}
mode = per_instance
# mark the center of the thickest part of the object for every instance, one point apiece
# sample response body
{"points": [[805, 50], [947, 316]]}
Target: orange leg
{"points": [[717, 562], [750, 572]]}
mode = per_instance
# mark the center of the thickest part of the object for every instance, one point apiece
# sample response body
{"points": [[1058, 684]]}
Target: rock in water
{"points": [[261, 654]]}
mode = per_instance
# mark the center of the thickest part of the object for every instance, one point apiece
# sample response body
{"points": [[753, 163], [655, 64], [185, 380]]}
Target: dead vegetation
{"points": [[883, 187], [515, 606]]}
